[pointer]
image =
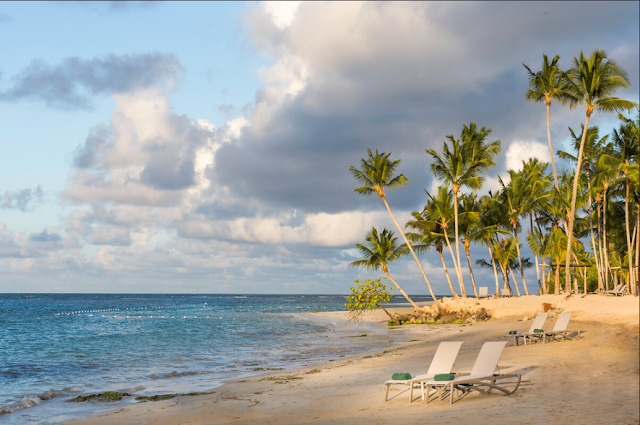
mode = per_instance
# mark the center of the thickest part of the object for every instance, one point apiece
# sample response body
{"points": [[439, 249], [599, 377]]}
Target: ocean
{"points": [[54, 347]]}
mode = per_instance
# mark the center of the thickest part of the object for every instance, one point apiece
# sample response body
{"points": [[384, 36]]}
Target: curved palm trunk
{"points": [[536, 257], [455, 264], [515, 282], [601, 252], [637, 271], [594, 247], [446, 272], [495, 271], [388, 314], [473, 280], [415, 257], [455, 211], [553, 162], [400, 289], [556, 289], [631, 284], [524, 282], [544, 276], [574, 195]]}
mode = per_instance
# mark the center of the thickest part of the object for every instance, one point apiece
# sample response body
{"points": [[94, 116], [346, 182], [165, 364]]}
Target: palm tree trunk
{"points": [[631, 284], [446, 272], [607, 268], [415, 257], [455, 211], [553, 162], [400, 289], [593, 241], [455, 264], [574, 196], [505, 278], [601, 251], [536, 257], [515, 282], [524, 282], [637, 271], [556, 289], [545, 290], [473, 280], [495, 271]]}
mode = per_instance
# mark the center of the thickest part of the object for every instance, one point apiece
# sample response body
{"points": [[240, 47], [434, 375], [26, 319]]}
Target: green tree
{"points": [[545, 86], [382, 250], [377, 175], [592, 81], [366, 296]]}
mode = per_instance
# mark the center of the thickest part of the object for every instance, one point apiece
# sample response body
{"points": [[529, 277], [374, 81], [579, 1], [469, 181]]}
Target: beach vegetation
{"points": [[581, 223], [107, 396], [161, 397], [367, 296]]}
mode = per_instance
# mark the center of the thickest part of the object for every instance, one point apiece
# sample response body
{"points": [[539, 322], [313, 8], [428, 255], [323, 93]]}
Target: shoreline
{"points": [[351, 389]]}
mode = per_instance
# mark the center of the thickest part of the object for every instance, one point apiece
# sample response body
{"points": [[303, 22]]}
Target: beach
{"points": [[592, 379]]}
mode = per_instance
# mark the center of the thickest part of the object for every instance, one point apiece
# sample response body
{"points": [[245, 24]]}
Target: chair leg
{"points": [[411, 393], [386, 397]]}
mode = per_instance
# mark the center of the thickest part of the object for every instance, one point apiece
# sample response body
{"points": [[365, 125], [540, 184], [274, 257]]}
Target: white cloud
{"points": [[520, 150]]}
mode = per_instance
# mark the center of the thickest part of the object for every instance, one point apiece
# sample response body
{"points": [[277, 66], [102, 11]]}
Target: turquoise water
{"points": [[56, 346]]}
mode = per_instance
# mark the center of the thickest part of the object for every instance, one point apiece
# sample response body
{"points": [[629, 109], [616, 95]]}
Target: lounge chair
{"points": [[538, 322], [559, 329], [442, 363], [482, 375], [483, 292], [619, 290]]}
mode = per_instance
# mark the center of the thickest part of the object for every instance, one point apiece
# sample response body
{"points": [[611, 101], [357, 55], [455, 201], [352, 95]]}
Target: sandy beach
{"points": [[593, 379]]}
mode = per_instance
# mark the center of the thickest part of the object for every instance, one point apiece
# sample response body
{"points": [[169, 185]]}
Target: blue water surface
{"points": [[57, 346]]}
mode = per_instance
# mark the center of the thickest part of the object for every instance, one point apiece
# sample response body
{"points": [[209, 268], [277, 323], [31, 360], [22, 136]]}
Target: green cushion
{"points": [[401, 376], [444, 377], [538, 331], [513, 332]]}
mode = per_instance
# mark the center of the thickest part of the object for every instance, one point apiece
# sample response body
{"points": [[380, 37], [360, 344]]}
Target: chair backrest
{"points": [[483, 291], [538, 322], [445, 357], [617, 288], [505, 292], [622, 290], [562, 322], [488, 358]]}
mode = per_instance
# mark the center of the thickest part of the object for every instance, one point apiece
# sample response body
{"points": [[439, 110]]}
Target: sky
{"points": [[192, 147]]}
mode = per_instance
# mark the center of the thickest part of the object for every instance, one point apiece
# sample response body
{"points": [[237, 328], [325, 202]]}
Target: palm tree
{"points": [[376, 176], [592, 150], [592, 81], [470, 229], [383, 249], [546, 86], [460, 166], [429, 232], [492, 220]]}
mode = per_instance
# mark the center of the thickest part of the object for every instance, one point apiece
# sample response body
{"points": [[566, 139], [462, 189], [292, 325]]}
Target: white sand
{"points": [[591, 380]]}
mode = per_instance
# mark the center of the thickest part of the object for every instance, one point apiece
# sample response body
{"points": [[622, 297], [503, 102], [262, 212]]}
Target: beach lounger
{"points": [[559, 329], [482, 377], [442, 362], [619, 290], [483, 292], [538, 322]]}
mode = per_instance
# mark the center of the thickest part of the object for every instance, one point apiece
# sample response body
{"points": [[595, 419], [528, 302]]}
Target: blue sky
{"points": [[204, 147]]}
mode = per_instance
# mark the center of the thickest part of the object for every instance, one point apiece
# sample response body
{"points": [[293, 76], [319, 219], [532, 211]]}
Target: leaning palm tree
{"points": [[471, 229], [382, 250], [546, 86], [592, 81], [376, 176]]}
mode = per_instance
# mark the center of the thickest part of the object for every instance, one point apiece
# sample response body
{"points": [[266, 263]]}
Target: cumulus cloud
{"points": [[71, 83], [521, 150], [22, 200]]}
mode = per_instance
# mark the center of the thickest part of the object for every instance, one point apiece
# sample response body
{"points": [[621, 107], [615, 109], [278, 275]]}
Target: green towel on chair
{"points": [[513, 332], [444, 377], [538, 331], [401, 376]]}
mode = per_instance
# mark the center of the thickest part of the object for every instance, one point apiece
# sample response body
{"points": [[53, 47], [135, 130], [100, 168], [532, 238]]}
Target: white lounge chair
{"points": [[442, 362], [538, 322], [619, 290], [559, 329], [483, 292], [482, 375]]}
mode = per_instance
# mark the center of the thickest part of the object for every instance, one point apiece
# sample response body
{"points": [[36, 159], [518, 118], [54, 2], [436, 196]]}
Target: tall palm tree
{"points": [[592, 81], [546, 86], [592, 150], [382, 250], [428, 232], [375, 177], [461, 165], [470, 229]]}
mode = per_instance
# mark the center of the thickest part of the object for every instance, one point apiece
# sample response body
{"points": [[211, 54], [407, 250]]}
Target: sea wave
{"points": [[27, 402], [175, 374]]}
